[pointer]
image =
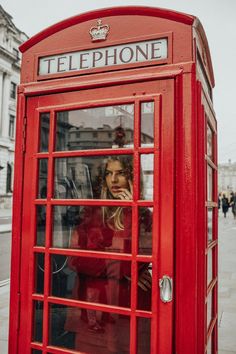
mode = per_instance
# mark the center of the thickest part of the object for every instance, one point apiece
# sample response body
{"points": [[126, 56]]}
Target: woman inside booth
{"points": [[108, 280]]}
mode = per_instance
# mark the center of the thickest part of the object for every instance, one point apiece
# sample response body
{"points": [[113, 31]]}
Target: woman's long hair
{"points": [[113, 216]]}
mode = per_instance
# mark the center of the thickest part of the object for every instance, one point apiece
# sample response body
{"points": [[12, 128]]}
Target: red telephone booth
{"points": [[115, 205]]}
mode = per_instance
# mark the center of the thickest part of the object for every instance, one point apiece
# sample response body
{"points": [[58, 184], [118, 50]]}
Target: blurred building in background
{"points": [[227, 177], [10, 60]]}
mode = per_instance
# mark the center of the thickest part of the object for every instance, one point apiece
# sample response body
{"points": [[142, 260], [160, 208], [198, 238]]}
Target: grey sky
{"points": [[217, 17]]}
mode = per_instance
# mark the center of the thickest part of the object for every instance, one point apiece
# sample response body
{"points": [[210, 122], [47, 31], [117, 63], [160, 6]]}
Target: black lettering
{"points": [[82, 59], [131, 52], [49, 64], [114, 56], [154, 50], [140, 50], [59, 64], [70, 63], [97, 55]]}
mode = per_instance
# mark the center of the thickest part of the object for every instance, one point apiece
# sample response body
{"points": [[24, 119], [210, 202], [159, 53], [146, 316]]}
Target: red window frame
{"points": [[162, 257]]}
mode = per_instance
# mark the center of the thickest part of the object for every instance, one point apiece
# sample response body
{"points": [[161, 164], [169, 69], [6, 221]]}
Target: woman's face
{"points": [[116, 178]]}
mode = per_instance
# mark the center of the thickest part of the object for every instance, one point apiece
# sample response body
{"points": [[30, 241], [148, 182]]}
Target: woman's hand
{"points": [[126, 194], [145, 280]]}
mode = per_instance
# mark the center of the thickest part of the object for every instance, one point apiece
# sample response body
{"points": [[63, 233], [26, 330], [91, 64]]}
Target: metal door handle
{"points": [[166, 288]]}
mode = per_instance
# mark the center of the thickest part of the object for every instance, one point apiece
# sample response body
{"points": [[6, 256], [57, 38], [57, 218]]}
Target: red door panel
{"points": [[97, 226]]}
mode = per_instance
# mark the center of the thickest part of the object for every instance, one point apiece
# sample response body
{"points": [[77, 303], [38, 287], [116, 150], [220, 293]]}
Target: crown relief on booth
{"points": [[121, 54]]}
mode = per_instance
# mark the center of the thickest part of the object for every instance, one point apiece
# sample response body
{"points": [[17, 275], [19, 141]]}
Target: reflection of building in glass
{"points": [[227, 177], [87, 129], [84, 138], [101, 127]]}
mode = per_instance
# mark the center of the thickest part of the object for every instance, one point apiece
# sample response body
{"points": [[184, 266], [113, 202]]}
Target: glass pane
{"points": [[39, 273], [209, 142], [209, 309], [147, 124], [145, 230], [36, 351], [209, 267], [43, 177], [38, 321], [106, 177], [209, 183], [94, 228], [143, 335], [209, 224], [96, 280], [146, 178], [144, 286], [89, 331], [41, 225], [95, 128], [44, 131]]}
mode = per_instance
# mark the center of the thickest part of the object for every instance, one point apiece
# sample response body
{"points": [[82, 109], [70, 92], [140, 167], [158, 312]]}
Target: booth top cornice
{"points": [[114, 11]]}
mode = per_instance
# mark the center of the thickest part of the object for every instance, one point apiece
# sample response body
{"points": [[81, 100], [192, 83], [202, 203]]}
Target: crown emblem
{"points": [[100, 32]]}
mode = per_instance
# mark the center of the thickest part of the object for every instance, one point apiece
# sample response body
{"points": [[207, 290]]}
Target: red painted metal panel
{"points": [[186, 218], [119, 11], [69, 36], [15, 299], [162, 314]]}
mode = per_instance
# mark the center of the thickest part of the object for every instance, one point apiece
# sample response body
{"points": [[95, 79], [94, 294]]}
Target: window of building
{"points": [[11, 132], [13, 90], [16, 53], [9, 178]]}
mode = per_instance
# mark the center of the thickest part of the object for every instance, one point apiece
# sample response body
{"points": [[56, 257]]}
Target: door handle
{"points": [[166, 288]]}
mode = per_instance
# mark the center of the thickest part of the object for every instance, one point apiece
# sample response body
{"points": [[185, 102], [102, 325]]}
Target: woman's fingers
{"points": [[130, 186], [125, 194]]}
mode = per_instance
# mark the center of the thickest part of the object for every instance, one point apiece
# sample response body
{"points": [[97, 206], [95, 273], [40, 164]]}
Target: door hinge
{"points": [[24, 134]]}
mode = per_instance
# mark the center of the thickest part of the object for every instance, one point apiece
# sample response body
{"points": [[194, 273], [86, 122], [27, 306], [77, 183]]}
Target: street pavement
{"points": [[227, 284], [227, 290]]}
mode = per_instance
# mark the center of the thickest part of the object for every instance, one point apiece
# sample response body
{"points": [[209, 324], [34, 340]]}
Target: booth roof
{"points": [[113, 11]]}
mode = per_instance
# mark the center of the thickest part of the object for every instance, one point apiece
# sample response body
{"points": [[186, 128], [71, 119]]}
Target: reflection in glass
{"points": [[209, 183], [43, 176], [95, 128], [145, 230], [41, 225], [209, 266], [39, 273], [96, 280], [147, 124], [144, 286], [209, 142], [209, 346], [64, 219], [146, 178], [71, 329], [144, 331], [38, 321], [91, 228], [209, 309], [86, 177], [44, 131], [209, 224]]}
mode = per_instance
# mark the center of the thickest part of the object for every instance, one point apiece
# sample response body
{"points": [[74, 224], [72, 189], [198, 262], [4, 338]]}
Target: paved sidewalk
{"points": [[4, 317], [227, 284], [5, 220]]}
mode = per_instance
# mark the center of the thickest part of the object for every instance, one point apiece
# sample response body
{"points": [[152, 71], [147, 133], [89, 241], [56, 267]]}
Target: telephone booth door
{"points": [[97, 235]]}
